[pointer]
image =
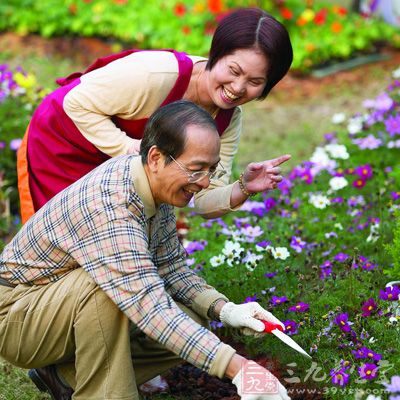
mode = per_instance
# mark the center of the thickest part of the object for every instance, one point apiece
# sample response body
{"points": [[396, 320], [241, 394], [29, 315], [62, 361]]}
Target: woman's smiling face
{"points": [[237, 78]]}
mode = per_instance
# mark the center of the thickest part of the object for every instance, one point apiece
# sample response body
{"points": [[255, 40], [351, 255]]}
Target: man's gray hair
{"points": [[166, 128]]}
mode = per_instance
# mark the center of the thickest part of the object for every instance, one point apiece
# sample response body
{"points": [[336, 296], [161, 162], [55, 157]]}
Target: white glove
{"points": [[246, 316], [254, 382]]}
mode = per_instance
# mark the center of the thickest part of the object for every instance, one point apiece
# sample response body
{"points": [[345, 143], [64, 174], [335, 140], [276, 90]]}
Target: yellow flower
{"points": [[26, 82], [98, 8], [308, 15], [199, 8]]}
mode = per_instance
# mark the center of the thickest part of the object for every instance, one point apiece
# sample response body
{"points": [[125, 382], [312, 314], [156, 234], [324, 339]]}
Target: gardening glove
{"points": [[247, 316], [253, 382]]}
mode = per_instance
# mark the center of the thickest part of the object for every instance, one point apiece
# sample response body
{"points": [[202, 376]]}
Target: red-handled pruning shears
{"points": [[277, 330]]}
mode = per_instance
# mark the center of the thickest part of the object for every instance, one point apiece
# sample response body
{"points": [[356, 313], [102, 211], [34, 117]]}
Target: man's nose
{"points": [[204, 182]]}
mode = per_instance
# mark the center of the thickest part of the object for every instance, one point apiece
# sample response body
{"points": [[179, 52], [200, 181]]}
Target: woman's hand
{"points": [[135, 148], [264, 175], [258, 177]]}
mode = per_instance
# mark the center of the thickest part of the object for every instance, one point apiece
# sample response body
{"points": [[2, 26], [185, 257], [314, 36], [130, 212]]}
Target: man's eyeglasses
{"points": [[196, 176]]}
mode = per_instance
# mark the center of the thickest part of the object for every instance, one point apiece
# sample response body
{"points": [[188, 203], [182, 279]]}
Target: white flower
{"points": [[280, 252], [338, 118], [216, 261], [372, 397], [339, 226], [338, 182], [396, 73], [320, 157], [337, 151], [355, 125], [374, 233], [319, 201]]}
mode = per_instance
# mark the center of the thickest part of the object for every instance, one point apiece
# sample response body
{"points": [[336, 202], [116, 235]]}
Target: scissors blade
{"points": [[289, 341]]}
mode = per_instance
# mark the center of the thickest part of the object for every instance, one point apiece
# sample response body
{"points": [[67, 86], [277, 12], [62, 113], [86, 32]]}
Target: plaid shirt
{"points": [[108, 224]]}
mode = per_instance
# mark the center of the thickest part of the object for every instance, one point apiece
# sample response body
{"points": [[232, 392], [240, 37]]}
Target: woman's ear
{"points": [[155, 159]]}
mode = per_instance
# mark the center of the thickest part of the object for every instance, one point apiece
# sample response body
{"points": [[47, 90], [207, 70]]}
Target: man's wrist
{"points": [[215, 309]]}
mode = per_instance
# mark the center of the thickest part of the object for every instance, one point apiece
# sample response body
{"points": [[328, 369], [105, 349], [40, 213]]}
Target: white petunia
{"points": [[337, 151], [338, 118], [338, 182], [319, 201], [216, 261], [280, 252]]}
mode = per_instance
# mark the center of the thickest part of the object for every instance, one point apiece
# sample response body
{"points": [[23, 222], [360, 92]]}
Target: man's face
{"points": [[201, 153]]}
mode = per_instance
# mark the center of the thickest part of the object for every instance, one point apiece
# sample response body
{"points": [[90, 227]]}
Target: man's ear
{"points": [[155, 159]]}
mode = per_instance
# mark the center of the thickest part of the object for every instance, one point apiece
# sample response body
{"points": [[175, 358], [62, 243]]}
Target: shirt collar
{"points": [[142, 186]]}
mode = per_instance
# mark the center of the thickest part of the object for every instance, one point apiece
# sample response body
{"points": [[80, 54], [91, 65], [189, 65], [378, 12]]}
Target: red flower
{"points": [[215, 6], [359, 183], [186, 30], [120, 1], [320, 16], [286, 13], [179, 9], [342, 11]]}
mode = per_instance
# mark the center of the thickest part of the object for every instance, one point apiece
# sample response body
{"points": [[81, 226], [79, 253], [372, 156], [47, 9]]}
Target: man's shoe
{"points": [[47, 380]]}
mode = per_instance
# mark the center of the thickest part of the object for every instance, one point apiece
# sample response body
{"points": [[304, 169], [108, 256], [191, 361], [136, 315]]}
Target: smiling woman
{"points": [[102, 112]]}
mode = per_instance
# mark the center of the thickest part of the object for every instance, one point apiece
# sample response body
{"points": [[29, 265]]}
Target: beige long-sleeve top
{"points": [[133, 88]]}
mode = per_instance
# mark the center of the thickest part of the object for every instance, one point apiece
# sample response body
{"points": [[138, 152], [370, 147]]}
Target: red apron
{"points": [[54, 154]]}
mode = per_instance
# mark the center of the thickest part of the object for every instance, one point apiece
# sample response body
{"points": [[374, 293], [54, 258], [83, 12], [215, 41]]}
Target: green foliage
{"points": [[394, 250], [338, 266], [320, 31]]}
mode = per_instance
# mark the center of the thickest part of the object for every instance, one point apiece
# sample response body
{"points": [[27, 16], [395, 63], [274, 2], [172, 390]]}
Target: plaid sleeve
{"points": [[117, 256], [183, 284]]}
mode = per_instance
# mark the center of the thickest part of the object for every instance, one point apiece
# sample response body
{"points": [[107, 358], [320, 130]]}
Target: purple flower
{"points": [[345, 364], [330, 137], [275, 300], [297, 244], [359, 183], [299, 307], [192, 247], [394, 385], [2, 144], [250, 299], [216, 324], [269, 203], [270, 274], [395, 195], [392, 125], [339, 377], [368, 307], [370, 142], [15, 143], [341, 257], [291, 327], [391, 293], [368, 265], [364, 171], [368, 371], [342, 321]]}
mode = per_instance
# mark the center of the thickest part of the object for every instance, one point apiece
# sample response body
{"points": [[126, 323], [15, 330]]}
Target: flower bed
{"points": [[318, 253], [319, 30]]}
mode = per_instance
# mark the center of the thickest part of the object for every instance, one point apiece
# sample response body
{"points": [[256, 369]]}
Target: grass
{"points": [[281, 124]]}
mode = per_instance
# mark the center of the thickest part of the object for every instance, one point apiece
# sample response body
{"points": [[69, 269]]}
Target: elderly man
{"points": [[95, 295]]}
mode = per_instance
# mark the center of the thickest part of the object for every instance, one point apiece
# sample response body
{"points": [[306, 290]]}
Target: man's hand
{"points": [[246, 316], [264, 175], [267, 386]]}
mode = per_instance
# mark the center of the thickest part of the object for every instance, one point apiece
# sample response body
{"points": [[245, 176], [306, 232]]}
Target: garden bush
{"points": [[313, 253], [19, 95], [319, 30]]}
